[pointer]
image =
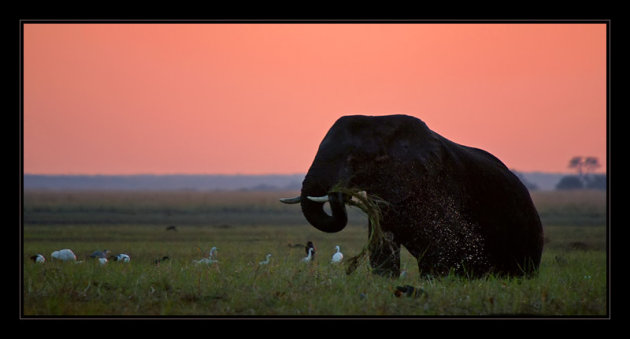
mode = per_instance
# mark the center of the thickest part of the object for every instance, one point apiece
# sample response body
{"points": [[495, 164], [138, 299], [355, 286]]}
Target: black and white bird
{"points": [[309, 257], [309, 246], [64, 255], [337, 257], [38, 258]]}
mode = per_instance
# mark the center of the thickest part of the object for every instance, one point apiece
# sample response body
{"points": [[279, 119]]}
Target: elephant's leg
{"points": [[384, 255], [425, 269]]}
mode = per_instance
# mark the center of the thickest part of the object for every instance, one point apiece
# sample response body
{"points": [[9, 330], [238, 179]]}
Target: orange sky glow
{"points": [[258, 98]]}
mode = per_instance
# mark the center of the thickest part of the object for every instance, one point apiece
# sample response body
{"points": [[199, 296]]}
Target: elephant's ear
{"points": [[414, 159]]}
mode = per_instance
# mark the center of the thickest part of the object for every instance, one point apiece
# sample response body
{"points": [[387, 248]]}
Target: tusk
{"points": [[295, 200], [318, 199], [324, 198]]}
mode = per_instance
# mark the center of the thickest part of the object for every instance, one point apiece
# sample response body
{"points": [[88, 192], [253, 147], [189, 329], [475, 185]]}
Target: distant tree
{"points": [[570, 182], [577, 164], [592, 163], [584, 166]]}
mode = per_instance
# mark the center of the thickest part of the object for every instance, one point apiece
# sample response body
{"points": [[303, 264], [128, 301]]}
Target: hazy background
{"points": [[283, 183]]}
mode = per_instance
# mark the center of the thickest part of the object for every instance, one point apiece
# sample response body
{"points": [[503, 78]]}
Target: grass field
{"points": [[245, 226]]}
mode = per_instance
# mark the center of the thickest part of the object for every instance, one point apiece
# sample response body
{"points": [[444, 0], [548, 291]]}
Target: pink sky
{"points": [[259, 98]]}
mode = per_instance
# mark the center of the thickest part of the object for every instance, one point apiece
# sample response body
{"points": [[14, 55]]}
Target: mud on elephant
{"points": [[454, 208]]}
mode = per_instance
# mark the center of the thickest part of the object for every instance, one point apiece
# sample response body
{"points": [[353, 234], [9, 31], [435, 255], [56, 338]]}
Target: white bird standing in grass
{"points": [[310, 255], [266, 261], [337, 257], [38, 258], [64, 255], [210, 259]]}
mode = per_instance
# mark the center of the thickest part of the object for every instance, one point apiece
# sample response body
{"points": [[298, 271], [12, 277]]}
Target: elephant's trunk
{"points": [[314, 212]]}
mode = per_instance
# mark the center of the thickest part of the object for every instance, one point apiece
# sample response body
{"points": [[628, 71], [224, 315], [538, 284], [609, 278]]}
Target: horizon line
{"points": [[242, 174]]}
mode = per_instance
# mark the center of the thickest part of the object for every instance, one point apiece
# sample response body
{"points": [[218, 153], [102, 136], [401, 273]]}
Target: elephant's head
{"points": [[379, 155]]}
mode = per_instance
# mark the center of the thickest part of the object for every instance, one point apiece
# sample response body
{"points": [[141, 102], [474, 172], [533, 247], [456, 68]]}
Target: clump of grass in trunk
{"points": [[370, 205]]}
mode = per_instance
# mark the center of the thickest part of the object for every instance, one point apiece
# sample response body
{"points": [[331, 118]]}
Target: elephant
{"points": [[456, 209]]}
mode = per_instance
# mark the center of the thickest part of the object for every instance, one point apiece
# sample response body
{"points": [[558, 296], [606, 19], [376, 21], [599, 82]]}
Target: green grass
{"points": [[572, 280], [571, 208]]}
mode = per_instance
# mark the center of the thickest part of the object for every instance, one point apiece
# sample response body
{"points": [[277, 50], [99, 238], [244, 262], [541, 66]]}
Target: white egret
{"points": [[38, 258], [64, 255], [337, 257], [211, 259], [266, 261], [309, 257]]}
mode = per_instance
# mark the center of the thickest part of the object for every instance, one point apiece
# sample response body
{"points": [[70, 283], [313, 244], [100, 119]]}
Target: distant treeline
{"points": [[576, 182], [562, 182], [165, 182], [291, 182]]}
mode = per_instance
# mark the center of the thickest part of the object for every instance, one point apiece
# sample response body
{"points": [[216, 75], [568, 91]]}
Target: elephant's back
{"points": [[496, 200]]}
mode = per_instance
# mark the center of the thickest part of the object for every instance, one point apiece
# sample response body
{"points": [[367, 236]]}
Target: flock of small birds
{"points": [[67, 255], [311, 251], [103, 257]]}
